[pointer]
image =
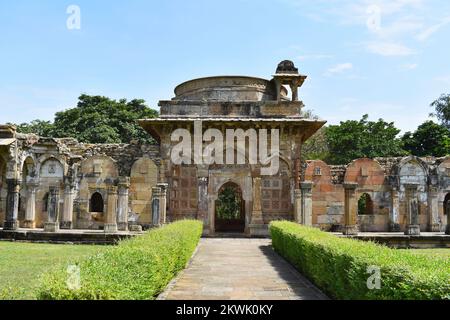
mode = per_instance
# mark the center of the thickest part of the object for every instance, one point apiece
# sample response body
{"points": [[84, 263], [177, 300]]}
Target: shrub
{"points": [[340, 266], [136, 269]]}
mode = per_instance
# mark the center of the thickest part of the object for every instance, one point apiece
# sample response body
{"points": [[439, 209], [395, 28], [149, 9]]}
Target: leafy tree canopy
{"points": [[430, 139], [97, 119], [442, 107], [358, 139]]}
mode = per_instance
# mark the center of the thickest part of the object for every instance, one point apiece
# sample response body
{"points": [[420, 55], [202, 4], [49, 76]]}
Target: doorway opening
{"points": [[230, 209]]}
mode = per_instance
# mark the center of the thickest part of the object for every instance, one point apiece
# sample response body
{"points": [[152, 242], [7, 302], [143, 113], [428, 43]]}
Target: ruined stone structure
{"points": [[62, 184], [57, 184]]}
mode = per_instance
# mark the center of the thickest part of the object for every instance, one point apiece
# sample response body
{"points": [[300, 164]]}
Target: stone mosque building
{"points": [[56, 184]]}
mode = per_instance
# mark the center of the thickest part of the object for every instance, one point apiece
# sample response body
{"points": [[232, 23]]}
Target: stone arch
{"points": [[368, 173], [318, 172], [43, 163], [143, 177], [99, 167], [51, 168], [365, 204], [412, 170], [443, 172], [28, 171], [230, 192], [96, 203]]}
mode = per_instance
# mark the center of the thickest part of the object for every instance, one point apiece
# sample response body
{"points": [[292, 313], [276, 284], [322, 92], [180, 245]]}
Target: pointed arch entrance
{"points": [[230, 209], [447, 205]]}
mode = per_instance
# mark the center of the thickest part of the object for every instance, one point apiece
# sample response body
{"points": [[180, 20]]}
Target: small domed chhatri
{"points": [[286, 67]]}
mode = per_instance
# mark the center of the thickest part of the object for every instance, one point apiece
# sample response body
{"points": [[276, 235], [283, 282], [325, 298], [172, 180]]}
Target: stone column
{"points": [[69, 196], [156, 195], [412, 210], [257, 207], [351, 209], [12, 205], [202, 213], [298, 206], [447, 211], [394, 224], [162, 202], [122, 212], [30, 213], [433, 210], [52, 224], [306, 188], [111, 212]]}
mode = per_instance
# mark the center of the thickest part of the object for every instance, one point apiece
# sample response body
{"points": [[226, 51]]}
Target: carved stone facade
{"points": [[62, 184]]}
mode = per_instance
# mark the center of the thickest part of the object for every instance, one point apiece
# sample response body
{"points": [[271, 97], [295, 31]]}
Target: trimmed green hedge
{"points": [[339, 266], [136, 269]]}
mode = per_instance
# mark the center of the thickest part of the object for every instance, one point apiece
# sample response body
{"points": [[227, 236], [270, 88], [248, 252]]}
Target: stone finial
{"points": [[286, 67]]}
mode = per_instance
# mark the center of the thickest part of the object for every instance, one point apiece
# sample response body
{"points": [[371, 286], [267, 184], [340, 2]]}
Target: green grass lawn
{"points": [[442, 253], [21, 264]]}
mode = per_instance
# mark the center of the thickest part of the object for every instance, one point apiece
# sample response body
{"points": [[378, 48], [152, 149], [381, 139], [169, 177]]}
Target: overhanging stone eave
{"points": [[309, 126]]}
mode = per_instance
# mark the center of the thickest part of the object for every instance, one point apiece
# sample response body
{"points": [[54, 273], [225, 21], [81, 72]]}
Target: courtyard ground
{"points": [[240, 269], [21, 264]]}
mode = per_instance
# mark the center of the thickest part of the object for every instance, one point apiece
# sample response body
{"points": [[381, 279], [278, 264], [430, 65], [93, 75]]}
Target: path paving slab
{"points": [[240, 269]]}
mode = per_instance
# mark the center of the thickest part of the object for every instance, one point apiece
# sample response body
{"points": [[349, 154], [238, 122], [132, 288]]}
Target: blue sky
{"points": [[389, 59]]}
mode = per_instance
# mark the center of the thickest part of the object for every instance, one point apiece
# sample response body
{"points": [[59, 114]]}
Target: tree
{"points": [[39, 127], [430, 139], [358, 139], [316, 147], [98, 119], [442, 107]]}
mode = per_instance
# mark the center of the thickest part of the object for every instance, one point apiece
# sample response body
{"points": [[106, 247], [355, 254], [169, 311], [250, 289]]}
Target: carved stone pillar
{"points": [[447, 211], [412, 210], [394, 223], [69, 196], [163, 202], [351, 209], [306, 188], [203, 200], [298, 206], [257, 207], [30, 212], [433, 210], [156, 196], [111, 211], [122, 212], [52, 224], [12, 205]]}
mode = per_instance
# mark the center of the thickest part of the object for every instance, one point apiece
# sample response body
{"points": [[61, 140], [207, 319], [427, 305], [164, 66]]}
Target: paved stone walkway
{"points": [[240, 269]]}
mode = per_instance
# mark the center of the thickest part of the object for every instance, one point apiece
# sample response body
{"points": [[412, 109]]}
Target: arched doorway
{"points": [[365, 205], [96, 203], [447, 205], [230, 209]]}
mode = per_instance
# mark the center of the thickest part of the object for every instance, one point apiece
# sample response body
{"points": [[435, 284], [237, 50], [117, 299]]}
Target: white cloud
{"points": [[389, 49], [340, 68], [409, 66], [389, 23], [427, 33]]}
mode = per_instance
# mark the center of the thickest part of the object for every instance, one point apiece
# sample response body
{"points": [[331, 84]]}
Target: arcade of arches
{"points": [[61, 183]]}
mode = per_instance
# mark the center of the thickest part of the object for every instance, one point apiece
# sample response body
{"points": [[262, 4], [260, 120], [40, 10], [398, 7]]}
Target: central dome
{"points": [[228, 88]]}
